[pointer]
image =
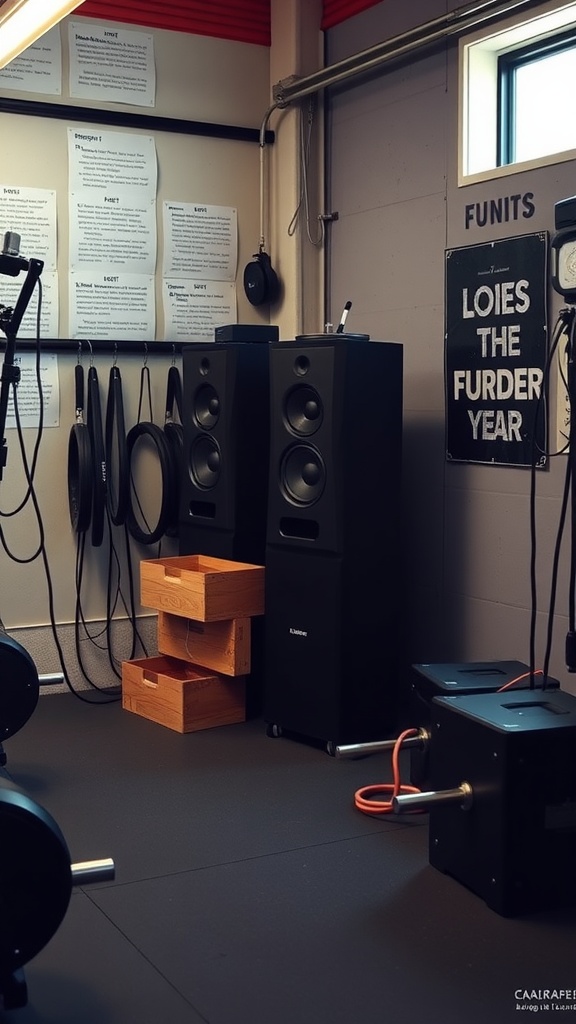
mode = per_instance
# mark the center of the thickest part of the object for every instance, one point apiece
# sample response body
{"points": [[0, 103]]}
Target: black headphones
{"points": [[261, 282]]}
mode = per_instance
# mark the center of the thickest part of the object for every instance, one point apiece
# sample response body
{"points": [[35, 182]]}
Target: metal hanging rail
{"points": [[463, 19], [100, 345], [128, 119]]}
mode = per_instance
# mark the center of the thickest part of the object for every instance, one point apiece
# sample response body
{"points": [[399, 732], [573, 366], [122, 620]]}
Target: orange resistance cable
{"points": [[518, 679], [366, 798]]}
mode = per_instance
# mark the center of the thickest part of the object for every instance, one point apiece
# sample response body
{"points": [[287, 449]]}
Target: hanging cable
{"points": [[42, 553], [571, 472], [306, 123], [94, 421], [129, 604], [102, 640], [40, 430], [174, 433], [115, 512], [116, 451], [29, 469], [565, 322]]}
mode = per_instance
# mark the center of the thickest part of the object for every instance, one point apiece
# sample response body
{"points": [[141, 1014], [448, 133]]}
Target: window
{"points": [[534, 82], [515, 89]]}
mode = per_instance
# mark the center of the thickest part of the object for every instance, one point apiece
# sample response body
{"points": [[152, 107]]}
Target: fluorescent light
{"points": [[22, 22]]}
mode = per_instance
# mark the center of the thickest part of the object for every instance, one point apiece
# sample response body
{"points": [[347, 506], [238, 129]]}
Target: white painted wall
{"points": [[198, 78]]}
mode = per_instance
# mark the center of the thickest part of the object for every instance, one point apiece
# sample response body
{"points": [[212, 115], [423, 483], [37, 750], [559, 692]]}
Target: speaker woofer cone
{"points": [[206, 407], [303, 410], [302, 474], [205, 462]]}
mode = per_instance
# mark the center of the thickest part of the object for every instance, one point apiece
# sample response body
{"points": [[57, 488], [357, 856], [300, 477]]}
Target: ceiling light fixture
{"points": [[22, 22]]}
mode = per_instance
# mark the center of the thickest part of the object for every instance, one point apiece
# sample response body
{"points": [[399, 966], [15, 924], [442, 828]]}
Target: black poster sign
{"points": [[496, 350]]}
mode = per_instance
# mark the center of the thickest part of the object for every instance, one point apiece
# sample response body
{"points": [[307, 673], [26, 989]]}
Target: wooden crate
{"points": [[180, 696], [202, 588], [221, 646]]}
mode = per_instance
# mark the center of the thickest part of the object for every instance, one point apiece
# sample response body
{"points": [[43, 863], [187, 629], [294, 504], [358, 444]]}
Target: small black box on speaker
{"points": [[515, 846], [247, 333]]}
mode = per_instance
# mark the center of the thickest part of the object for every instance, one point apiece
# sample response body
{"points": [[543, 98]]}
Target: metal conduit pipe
{"points": [[458, 21]]}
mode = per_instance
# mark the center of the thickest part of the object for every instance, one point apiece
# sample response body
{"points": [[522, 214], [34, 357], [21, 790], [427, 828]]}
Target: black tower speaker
{"points": [[226, 415], [332, 538]]}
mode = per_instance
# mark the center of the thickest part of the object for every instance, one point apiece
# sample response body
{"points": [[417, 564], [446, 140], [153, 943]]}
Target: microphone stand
{"points": [[49, 905], [10, 320]]}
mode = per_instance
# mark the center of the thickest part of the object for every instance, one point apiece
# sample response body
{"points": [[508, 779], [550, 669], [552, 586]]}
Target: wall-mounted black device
{"points": [[563, 249]]}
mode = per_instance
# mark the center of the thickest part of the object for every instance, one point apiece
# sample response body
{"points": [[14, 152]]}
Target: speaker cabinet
{"points": [[332, 554], [226, 451]]}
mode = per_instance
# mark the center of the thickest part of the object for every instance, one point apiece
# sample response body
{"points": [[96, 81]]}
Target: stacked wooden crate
{"points": [[205, 606]]}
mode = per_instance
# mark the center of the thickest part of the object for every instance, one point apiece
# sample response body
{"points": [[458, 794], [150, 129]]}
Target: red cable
{"points": [[518, 679], [364, 798]]}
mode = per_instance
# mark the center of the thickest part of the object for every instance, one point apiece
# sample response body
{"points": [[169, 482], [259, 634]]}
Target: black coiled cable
{"points": [[148, 431]]}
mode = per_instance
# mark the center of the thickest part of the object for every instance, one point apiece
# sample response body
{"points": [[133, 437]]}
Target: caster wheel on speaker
{"points": [[273, 730], [331, 748]]}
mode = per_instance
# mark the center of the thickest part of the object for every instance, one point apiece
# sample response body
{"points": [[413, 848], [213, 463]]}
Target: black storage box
{"points": [[261, 333], [457, 679], [515, 846]]}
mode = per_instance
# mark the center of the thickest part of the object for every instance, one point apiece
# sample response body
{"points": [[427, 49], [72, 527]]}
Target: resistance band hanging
{"points": [[117, 461], [148, 431], [94, 420], [80, 476], [174, 433]]}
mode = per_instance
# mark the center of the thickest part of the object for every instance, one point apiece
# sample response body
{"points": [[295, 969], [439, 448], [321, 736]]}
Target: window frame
{"points": [[480, 94], [508, 63]]}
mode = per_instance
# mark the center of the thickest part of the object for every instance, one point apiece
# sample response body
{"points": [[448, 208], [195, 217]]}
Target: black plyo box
{"points": [[259, 333], [458, 679], [445, 679], [515, 847]]}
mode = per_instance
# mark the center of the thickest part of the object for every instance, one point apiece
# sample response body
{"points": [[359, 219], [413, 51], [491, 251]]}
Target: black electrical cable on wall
{"points": [[565, 324], [174, 432], [110, 471], [94, 421], [29, 473], [116, 451]]}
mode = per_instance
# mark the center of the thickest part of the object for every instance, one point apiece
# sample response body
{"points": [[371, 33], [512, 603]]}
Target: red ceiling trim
{"points": [[335, 11], [246, 21]]}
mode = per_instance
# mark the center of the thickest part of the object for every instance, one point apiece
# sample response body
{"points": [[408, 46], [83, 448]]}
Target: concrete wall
{"points": [[393, 180]]}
